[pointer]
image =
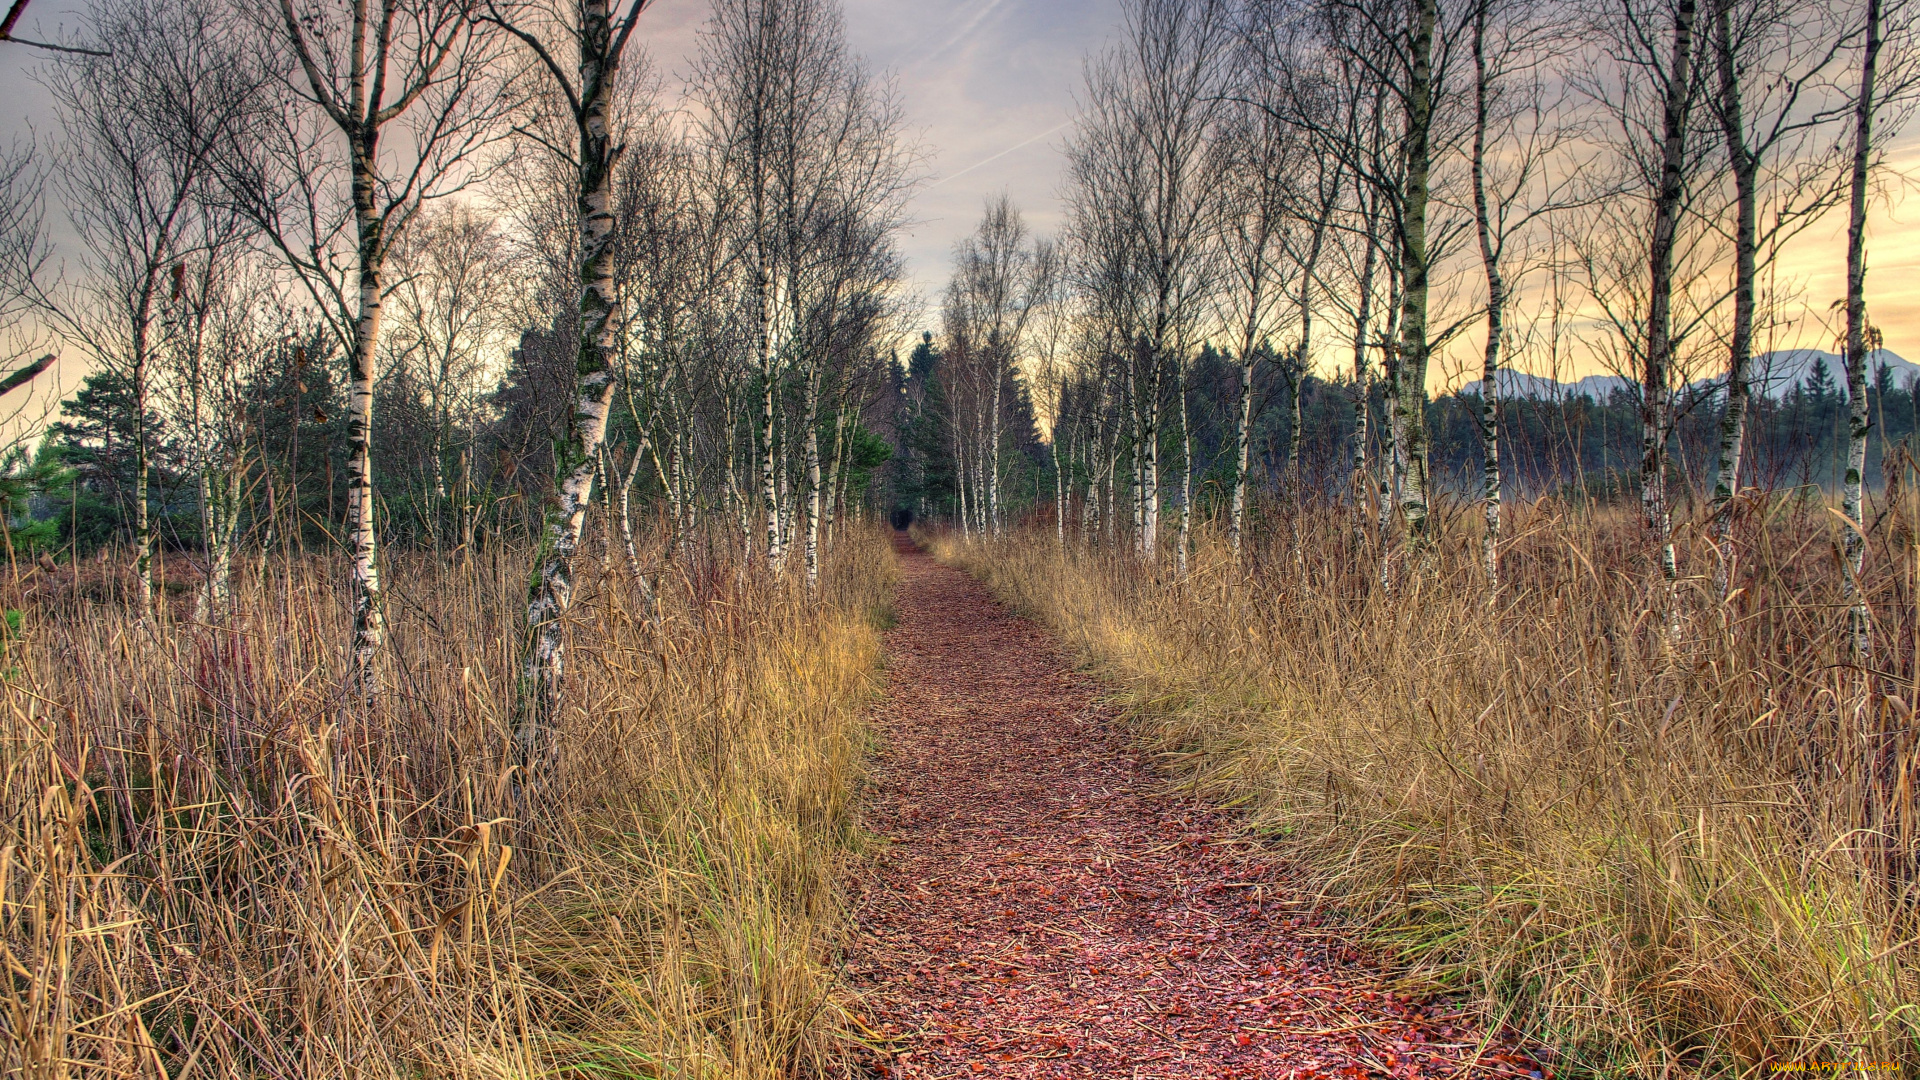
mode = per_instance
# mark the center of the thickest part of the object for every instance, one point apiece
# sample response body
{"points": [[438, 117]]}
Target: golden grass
{"points": [[211, 866], [1652, 854]]}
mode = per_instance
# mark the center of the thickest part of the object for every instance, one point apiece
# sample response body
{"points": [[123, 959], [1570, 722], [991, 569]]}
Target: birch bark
{"points": [[1857, 335], [1655, 373], [1243, 443], [1496, 311], [1362, 386], [1412, 375], [1745, 167], [814, 508], [590, 92]]}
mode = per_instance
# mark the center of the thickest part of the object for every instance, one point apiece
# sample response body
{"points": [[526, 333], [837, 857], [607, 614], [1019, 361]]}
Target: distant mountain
{"points": [[1519, 384], [1774, 375]]}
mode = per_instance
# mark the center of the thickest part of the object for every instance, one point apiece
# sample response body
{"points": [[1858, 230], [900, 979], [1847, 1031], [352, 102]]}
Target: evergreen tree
{"points": [[90, 451], [300, 429]]}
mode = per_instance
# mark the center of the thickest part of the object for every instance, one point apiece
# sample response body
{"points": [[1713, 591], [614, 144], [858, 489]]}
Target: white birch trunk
{"points": [[1857, 332], [1412, 396], [1362, 390], [1654, 416], [1150, 469], [1496, 307], [142, 465], [834, 474], [1242, 454], [993, 456], [649, 597], [1059, 486], [1733, 420], [1186, 486], [552, 592], [814, 493], [369, 626]]}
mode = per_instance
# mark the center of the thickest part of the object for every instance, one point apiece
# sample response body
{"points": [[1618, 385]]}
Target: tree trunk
{"points": [[1857, 334], [1150, 462], [1242, 451], [1745, 167], [369, 626], [834, 474], [142, 465], [1654, 418], [814, 492], [1186, 484], [649, 598], [992, 445], [1304, 356], [1294, 417], [1137, 462], [1393, 467], [1412, 397], [960, 488], [1362, 391], [1496, 311], [551, 594], [1093, 521], [1059, 484]]}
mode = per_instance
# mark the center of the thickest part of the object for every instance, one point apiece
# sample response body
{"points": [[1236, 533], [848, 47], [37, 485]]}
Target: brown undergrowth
{"points": [[1652, 850], [213, 864]]}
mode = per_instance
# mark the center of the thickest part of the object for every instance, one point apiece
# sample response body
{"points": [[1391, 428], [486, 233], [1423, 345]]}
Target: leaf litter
{"points": [[1044, 906]]}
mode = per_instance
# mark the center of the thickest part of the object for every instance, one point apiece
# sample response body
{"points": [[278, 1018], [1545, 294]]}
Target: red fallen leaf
{"points": [[1243, 1039], [1100, 856]]}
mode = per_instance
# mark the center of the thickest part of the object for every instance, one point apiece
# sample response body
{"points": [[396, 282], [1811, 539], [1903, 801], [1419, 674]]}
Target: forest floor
{"points": [[1044, 905]]}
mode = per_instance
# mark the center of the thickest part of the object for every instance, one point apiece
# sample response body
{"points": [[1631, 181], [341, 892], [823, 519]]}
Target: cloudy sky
{"points": [[989, 88]]}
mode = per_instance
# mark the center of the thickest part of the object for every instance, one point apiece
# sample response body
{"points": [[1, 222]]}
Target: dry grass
{"points": [[211, 866], [1651, 853]]}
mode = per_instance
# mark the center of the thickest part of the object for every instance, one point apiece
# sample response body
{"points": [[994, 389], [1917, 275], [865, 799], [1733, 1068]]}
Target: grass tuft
{"points": [[213, 864], [1652, 852]]}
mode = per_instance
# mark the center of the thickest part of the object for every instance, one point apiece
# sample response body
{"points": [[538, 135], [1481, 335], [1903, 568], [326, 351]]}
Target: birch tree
{"points": [[580, 47], [1416, 262], [1856, 546], [143, 124], [1403, 56], [1000, 282], [1773, 73], [1254, 152], [222, 322], [1155, 103], [385, 105], [1633, 248], [1527, 165], [452, 273], [1884, 92]]}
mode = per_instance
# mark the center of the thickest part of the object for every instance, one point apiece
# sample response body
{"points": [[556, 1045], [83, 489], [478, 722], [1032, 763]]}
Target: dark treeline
{"points": [[1569, 445], [1288, 222]]}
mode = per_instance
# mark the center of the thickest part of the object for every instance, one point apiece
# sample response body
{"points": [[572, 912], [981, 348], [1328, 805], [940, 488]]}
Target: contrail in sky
{"points": [[998, 156], [971, 23]]}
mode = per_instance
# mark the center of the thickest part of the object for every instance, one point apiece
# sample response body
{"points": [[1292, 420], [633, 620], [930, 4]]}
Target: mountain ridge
{"points": [[1775, 374]]}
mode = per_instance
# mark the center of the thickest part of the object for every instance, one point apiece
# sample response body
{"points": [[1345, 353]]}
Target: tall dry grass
{"points": [[213, 865], [1651, 852]]}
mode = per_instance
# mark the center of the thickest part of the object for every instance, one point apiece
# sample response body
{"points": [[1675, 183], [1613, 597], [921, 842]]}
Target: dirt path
{"points": [[1045, 910]]}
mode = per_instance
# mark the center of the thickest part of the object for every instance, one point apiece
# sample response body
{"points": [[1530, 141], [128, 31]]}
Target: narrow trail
{"points": [[1045, 909]]}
